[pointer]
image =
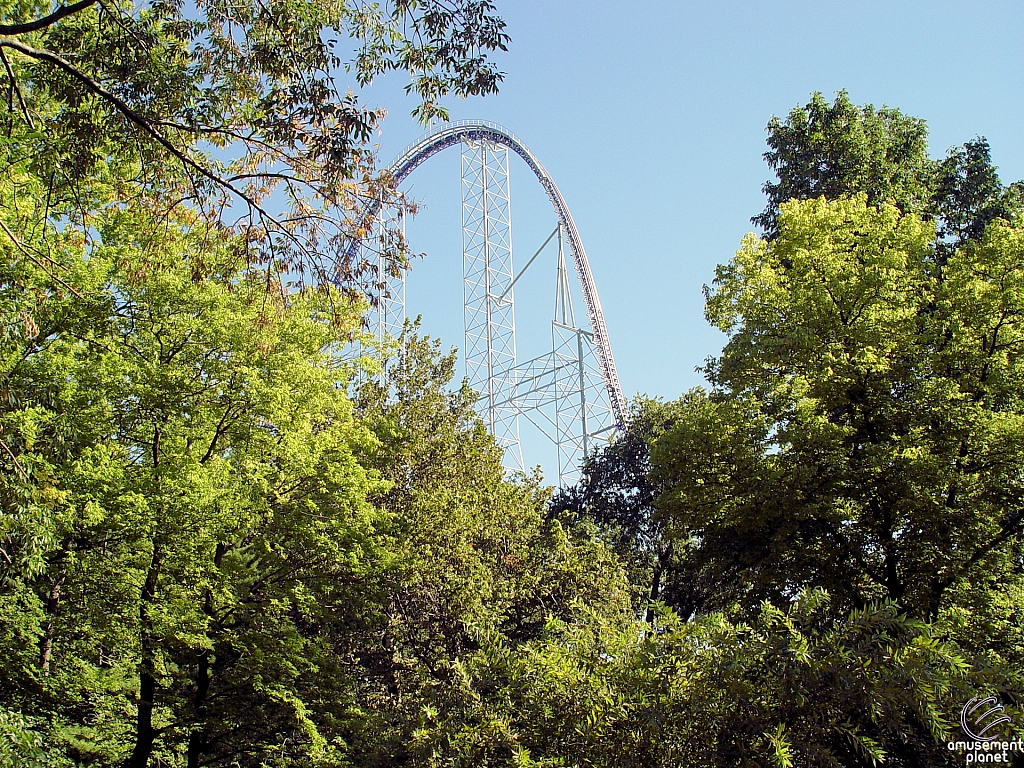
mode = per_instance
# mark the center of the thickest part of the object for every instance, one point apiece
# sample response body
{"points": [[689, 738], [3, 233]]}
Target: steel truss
{"points": [[487, 281], [563, 392], [572, 393], [387, 316]]}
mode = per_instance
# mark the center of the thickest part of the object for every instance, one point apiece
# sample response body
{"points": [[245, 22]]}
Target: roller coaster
{"points": [[570, 394]]}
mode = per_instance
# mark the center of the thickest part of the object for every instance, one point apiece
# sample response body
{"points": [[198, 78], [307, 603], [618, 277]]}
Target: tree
{"points": [[968, 196], [838, 149], [614, 502], [792, 687], [863, 431], [185, 530], [473, 552], [235, 110], [829, 150], [189, 573], [213, 556]]}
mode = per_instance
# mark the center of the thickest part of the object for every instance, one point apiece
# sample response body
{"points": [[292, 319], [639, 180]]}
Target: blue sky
{"points": [[650, 117]]}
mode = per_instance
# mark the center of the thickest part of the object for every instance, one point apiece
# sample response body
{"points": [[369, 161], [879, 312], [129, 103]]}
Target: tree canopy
{"points": [[239, 111], [861, 428], [832, 150], [858, 437], [228, 540], [836, 149]]}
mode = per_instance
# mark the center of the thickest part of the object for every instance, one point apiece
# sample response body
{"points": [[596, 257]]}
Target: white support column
{"points": [[489, 306], [391, 285]]}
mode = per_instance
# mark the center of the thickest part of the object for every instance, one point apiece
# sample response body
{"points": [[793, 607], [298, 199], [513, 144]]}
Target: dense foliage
{"points": [[861, 434], [227, 541], [242, 112], [830, 150], [214, 556]]}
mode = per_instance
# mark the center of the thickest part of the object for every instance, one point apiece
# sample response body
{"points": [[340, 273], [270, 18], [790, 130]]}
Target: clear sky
{"points": [[651, 116]]}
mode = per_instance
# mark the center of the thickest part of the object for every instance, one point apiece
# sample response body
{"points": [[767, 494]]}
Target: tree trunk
{"points": [[53, 609], [195, 739], [144, 733]]}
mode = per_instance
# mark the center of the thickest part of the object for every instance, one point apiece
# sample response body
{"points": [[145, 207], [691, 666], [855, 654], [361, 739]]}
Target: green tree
{"points": [[791, 687], [240, 111], [191, 569], [185, 527], [968, 196], [614, 502], [837, 149], [821, 150], [473, 551], [862, 432], [226, 561], [843, 503]]}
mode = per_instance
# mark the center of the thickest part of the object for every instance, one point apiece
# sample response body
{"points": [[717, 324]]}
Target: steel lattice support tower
{"points": [[388, 317], [563, 393], [487, 280]]}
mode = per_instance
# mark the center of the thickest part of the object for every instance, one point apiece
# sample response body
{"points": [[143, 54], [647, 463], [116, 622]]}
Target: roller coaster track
{"points": [[472, 132]]}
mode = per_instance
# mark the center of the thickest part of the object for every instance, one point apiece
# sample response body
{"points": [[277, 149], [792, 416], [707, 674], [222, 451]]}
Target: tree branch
{"points": [[21, 247], [17, 90], [139, 120], [35, 26], [17, 465], [1012, 527]]}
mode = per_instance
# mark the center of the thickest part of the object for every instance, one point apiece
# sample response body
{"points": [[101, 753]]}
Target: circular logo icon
{"points": [[979, 716]]}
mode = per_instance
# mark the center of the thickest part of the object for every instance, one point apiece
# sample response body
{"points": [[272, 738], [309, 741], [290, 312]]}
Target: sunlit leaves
{"points": [[237, 111]]}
